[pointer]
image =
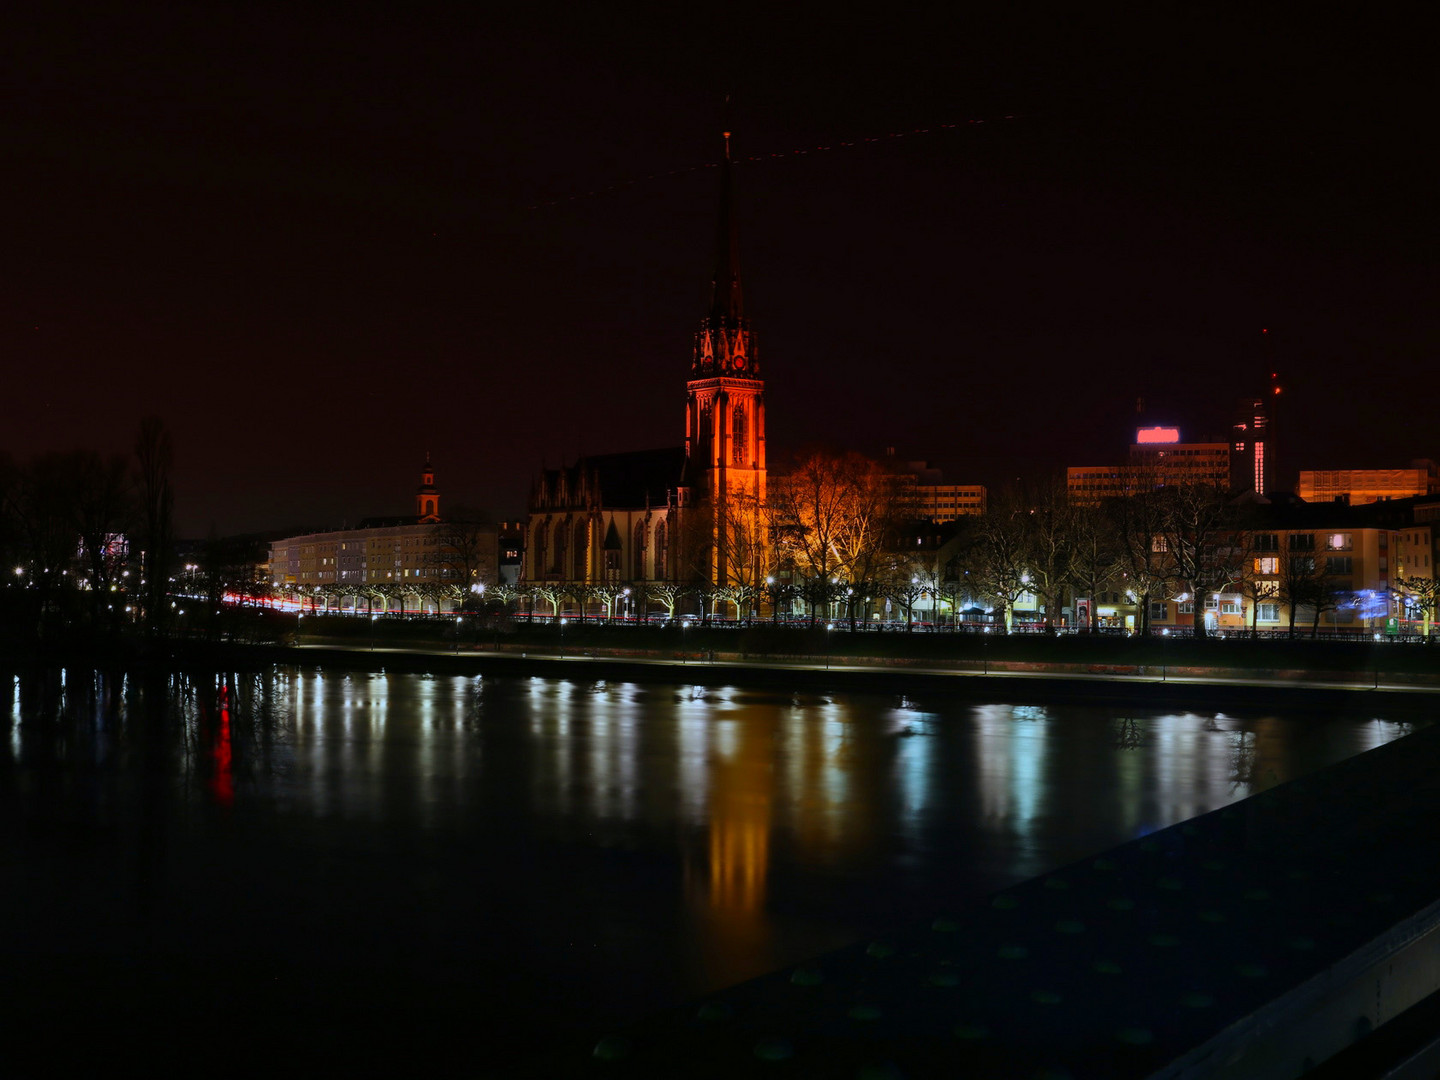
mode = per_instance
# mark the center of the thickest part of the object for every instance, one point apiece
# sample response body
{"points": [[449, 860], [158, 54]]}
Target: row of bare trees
{"points": [[79, 529], [1178, 542]]}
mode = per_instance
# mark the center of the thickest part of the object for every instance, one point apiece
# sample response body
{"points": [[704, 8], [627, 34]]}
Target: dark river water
{"points": [[546, 858]]}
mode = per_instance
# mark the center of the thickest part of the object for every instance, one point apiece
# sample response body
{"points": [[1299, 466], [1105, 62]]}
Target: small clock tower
{"points": [[725, 410], [427, 498]]}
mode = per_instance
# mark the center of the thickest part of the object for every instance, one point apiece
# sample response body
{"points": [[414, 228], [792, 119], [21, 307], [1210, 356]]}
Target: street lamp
{"points": [[562, 638]]}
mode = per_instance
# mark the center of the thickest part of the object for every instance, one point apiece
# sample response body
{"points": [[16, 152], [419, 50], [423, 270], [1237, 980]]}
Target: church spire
{"points": [[726, 303], [723, 346]]}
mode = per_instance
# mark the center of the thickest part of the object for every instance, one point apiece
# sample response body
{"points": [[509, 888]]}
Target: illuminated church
{"points": [[683, 515]]}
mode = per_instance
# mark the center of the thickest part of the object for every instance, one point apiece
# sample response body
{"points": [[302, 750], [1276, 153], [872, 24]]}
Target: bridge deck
{"points": [[1203, 949]]}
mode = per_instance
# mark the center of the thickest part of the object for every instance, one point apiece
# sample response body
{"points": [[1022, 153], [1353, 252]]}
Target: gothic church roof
{"points": [[612, 481]]}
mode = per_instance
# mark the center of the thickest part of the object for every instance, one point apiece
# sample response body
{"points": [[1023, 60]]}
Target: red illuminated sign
{"points": [[1157, 435]]}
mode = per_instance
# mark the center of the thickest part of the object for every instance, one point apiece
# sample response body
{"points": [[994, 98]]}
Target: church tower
{"points": [[427, 498], [725, 412]]}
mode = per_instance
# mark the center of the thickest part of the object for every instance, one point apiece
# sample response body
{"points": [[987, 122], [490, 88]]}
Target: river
{"points": [[546, 858]]}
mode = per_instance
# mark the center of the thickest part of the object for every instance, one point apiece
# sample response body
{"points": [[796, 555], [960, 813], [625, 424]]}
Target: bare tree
{"points": [[103, 508], [155, 457], [927, 570], [1049, 523], [1096, 555], [904, 585], [503, 593], [1259, 580], [1418, 595], [1199, 527], [1301, 581], [667, 594], [998, 556], [606, 593], [464, 556], [839, 515], [551, 592], [1145, 562], [42, 495]]}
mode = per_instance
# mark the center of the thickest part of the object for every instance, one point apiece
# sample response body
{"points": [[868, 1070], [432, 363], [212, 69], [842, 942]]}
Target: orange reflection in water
{"points": [[727, 896]]}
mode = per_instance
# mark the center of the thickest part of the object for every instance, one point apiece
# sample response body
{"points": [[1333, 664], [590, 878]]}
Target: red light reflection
{"points": [[222, 783]]}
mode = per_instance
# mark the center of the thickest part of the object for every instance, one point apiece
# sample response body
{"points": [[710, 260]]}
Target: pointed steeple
{"points": [[726, 302], [723, 346]]}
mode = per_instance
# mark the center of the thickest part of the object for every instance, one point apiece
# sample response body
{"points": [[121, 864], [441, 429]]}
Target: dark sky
{"points": [[321, 241]]}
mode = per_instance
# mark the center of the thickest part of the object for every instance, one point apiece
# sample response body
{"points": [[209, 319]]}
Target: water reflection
{"points": [[727, 895], [684, 837]]}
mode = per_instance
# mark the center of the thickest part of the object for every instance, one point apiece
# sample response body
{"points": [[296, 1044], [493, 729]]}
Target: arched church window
{"points": [[582, 549], [637, 553], [537, 562], [707, 432], [557, 558], [737, 436], [660, 552]]}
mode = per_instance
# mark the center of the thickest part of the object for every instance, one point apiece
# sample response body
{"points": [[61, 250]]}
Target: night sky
{"points": [[321, 241]]}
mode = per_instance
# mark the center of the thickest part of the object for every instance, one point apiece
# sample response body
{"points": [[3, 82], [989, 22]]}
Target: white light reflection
{"points": [[693, 768], [1012, 759], [15, 719], [814, 744], [914, 761], [614, 751], [1379, 732], [560, 703], [460, 689]]}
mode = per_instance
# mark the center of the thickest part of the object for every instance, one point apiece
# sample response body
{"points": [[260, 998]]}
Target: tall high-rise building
{"points": [[1251, 443]]}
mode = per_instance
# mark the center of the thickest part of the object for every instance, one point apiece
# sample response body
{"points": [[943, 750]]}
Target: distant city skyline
{"points": [[322, 247]]}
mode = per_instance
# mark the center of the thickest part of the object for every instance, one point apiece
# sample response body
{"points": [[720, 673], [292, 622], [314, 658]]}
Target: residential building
{"points": [[932, 498], [419, 564]]}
